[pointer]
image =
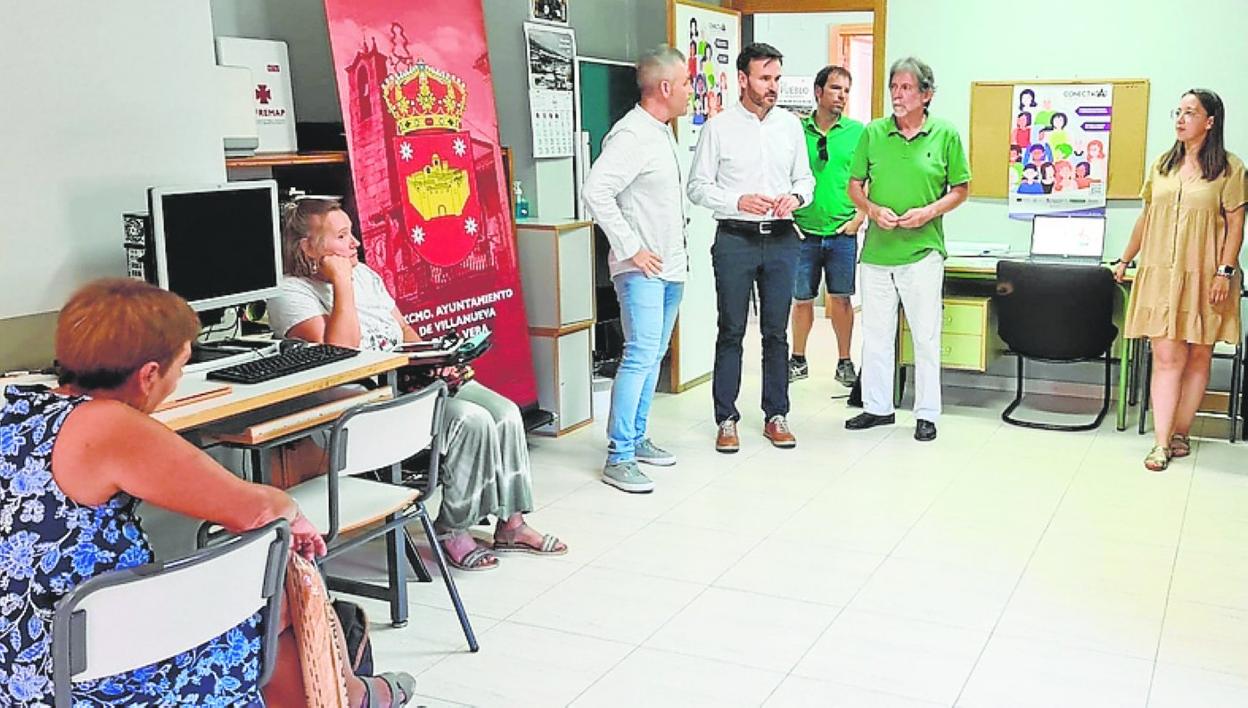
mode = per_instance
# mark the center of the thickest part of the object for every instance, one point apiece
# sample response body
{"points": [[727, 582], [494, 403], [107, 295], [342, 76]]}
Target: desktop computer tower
{"points": [[140, 250]]}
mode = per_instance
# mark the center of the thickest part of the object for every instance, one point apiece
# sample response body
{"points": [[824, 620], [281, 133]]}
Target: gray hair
{"points": [[917, 68], [651, 65]]}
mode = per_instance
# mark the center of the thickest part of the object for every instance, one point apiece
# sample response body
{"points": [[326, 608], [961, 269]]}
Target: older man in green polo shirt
{"points": [[830, 250], [917, 171]]}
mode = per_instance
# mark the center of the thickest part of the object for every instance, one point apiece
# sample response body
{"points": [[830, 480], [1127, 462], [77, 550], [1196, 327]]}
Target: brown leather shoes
{"points": [[726, 440], [777, 431]]}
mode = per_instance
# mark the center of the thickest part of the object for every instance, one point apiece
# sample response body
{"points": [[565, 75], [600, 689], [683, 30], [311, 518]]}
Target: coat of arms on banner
{"points": [[428, 175], [442, 216]]}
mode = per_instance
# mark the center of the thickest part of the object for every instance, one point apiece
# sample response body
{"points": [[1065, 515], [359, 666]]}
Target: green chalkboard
{"points": [[608, 91]]}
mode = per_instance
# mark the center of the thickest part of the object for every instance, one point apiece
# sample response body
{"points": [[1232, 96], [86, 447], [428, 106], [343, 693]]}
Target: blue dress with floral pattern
{"points": [[50, 543]]}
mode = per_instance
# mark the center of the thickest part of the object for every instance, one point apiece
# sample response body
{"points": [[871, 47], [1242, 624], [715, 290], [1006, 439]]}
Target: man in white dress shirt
{"points": [[750, 168], [634, 194]]}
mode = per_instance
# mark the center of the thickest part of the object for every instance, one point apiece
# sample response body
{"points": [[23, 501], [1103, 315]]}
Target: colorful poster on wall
{"points": [[551, 56], [1059, 147], [418, 102], [711, 36], [712, 53]]}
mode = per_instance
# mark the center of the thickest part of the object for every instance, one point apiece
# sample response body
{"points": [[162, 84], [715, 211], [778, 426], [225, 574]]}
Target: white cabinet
{"points": [[557, 272], [564, 368], [557, 277]]}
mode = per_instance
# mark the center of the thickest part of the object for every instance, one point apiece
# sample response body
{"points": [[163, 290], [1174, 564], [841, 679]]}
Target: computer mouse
{"points": [[289, 345]]}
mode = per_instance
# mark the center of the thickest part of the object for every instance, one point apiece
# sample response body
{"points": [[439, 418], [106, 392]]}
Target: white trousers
{"points": [[919, 286]]}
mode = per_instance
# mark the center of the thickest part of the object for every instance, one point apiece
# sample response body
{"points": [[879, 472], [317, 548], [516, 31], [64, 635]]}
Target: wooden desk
{"points": [[985, 268], [244, 398]]}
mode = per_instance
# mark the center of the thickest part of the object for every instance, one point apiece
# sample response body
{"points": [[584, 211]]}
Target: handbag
{"points": [[316, 630], [354, 623]]}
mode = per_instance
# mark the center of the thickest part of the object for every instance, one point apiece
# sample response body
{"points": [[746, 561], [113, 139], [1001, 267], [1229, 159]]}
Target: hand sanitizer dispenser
{"points": [[522, 204]]}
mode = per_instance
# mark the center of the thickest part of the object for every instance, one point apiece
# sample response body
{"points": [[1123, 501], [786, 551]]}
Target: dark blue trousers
{"points": [[742, 259]]}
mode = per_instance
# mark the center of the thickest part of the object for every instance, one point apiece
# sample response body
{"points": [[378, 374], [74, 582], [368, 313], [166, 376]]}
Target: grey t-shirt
{"points": [[305, 298]]}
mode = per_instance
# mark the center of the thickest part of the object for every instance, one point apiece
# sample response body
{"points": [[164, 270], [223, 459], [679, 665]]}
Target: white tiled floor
{"points": [[997, 567]]}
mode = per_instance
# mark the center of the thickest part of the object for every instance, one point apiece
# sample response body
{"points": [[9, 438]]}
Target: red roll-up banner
{"points": [[430, 188]]}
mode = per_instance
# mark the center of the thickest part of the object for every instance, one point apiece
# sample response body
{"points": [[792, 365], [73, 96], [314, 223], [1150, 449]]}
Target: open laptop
{"points": [[1077, 240]]}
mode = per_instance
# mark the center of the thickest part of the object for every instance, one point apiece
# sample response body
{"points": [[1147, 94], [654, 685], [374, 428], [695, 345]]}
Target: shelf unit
{"points": [[288, 159], [556, 270]]}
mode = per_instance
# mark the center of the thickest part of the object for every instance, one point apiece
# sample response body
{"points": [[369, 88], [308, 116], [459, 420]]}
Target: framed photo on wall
{"points": [[549, 10]]}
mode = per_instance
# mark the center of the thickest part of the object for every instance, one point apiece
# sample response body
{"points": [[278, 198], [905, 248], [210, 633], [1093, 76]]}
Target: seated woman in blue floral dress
{"points": [[74, 461]]}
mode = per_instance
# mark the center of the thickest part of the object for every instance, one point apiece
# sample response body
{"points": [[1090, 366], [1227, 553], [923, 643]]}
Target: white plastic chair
{"points": [[377, 437], [128, 619]]}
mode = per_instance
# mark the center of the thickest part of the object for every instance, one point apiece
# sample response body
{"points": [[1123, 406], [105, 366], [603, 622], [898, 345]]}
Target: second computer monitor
{"points": [[217, 245]]}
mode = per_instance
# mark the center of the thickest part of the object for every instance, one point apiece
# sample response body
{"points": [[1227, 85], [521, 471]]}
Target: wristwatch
{"points": [[800, 200], [1226, 271]]}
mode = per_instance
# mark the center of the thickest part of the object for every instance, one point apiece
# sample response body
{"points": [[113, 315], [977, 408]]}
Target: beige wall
{"points": [[26, 342], [67, 180], [612, 29]]}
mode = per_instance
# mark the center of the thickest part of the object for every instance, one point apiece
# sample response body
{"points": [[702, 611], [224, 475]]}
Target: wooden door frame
{"points": [[838, 36], [879, 21]]}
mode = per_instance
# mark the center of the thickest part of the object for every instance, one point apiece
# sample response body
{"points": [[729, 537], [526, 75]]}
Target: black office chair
{"points": [[1056, 313]]}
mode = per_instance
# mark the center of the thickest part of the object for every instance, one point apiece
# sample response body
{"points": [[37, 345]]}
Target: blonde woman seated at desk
{"points": [[75, 461], [329, 296]]}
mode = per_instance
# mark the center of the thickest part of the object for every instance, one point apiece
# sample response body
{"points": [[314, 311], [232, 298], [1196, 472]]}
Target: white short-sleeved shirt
{"points": [[305, 298]]}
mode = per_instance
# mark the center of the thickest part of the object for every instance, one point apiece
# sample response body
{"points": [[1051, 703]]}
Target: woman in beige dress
{"points": [[1186, 291]]}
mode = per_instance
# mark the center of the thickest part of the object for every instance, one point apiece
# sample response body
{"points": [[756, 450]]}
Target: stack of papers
{"points": [[977, 248]]}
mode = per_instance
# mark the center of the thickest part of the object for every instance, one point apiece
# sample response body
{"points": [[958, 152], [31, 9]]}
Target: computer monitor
{"points": [[1076, 236], [217, 245]]}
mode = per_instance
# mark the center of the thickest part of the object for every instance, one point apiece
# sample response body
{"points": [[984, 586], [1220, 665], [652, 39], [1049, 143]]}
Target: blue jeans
{"points": [[648, 309], [831, 259]]}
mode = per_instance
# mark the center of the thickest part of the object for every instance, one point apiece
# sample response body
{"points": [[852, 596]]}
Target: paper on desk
{"points": [[976, 248], [188, 391], [193, 392]]}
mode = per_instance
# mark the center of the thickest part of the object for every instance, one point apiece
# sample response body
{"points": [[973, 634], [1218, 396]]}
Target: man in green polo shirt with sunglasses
{"points": [[830, 223], [917, 171]]}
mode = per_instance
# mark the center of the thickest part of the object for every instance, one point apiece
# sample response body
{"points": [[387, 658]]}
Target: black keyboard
{"points": [[289, 362]]}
